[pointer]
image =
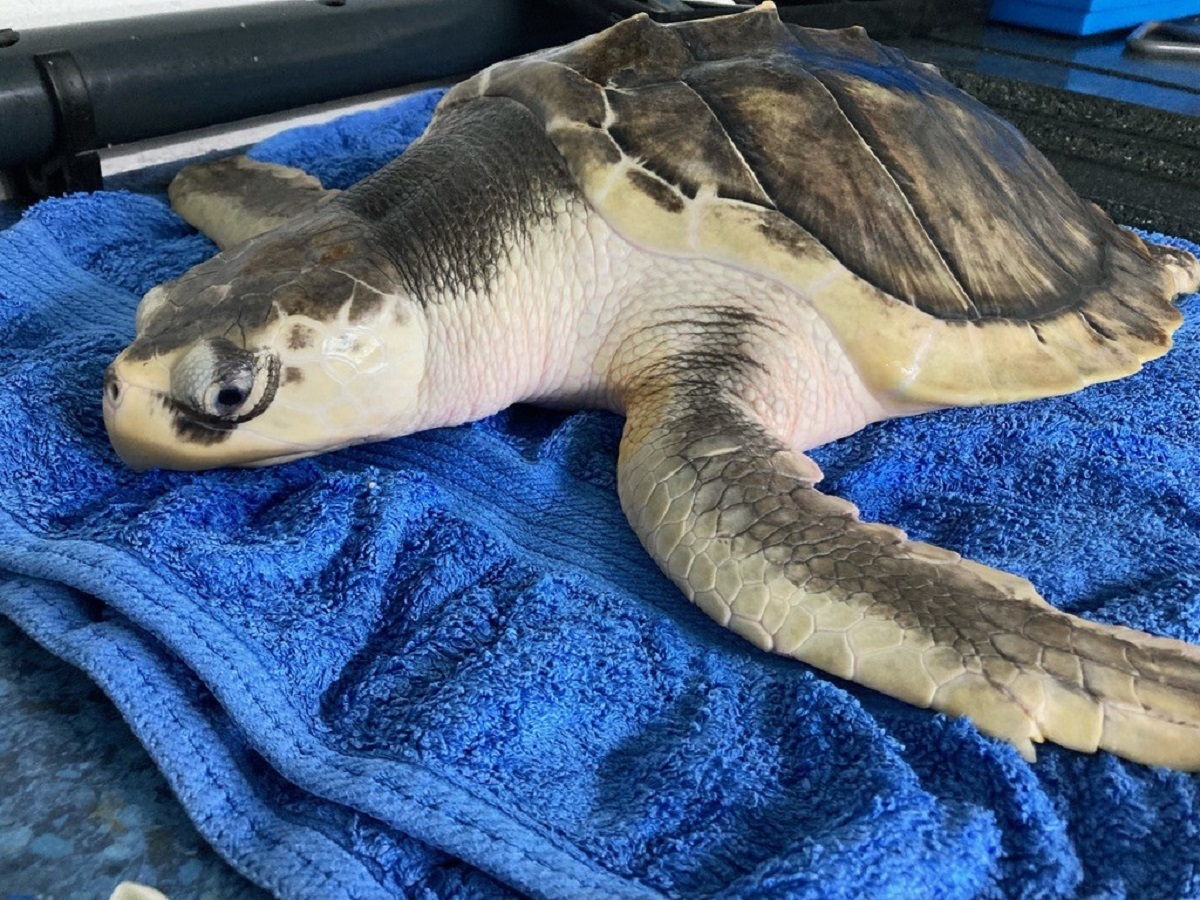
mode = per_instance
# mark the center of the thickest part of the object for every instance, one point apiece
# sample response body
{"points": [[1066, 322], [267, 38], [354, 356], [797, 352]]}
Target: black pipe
{"points": [[162, 74]]}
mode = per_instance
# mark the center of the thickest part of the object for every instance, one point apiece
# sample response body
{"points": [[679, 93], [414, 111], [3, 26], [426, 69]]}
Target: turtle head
{"points": [[251, 359]]}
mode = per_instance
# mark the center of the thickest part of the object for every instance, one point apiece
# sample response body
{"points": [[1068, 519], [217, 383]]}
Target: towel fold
{"points": [[443, 666]]}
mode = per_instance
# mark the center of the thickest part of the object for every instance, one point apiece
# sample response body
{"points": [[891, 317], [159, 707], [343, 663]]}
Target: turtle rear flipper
{"points": [[733, 518], [234, 199]]}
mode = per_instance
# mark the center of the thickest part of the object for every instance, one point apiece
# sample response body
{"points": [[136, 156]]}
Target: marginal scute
{"points": [[658, 190], [588, 151], [975, 274], [548, 87]]}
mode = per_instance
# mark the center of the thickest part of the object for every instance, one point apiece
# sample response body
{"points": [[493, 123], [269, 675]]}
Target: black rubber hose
{"points": [[158, 75]]}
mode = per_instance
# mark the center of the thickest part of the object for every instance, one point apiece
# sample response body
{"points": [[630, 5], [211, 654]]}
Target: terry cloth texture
{"points": [[443, 666]]}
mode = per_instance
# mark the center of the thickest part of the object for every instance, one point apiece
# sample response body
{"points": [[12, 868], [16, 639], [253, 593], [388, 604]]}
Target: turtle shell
{"points": [[953, 263]]}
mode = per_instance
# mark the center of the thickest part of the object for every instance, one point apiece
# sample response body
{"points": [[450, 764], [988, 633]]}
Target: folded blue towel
{"points": [[443, 666]]}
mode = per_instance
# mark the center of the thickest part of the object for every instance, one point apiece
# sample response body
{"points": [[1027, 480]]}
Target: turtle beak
{"points": [[118, 416], [150, 430], [138, 426], [140, 430]]}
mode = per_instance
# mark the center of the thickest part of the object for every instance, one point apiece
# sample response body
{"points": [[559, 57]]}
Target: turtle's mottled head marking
{"points": [[275, 349]]}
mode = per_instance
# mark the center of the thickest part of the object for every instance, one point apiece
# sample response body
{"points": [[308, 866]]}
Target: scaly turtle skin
{"points": [[747, 239]]}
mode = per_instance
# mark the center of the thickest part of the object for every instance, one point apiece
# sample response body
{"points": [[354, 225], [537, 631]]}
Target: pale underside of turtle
{"points": [[749, 240]]}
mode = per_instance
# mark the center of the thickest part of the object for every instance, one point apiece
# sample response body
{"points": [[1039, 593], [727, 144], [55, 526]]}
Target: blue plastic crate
{"points": [[1080, 17]]}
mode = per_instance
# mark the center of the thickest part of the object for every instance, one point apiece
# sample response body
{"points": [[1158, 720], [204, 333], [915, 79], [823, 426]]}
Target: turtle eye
{"points": [[215, 378], [227, 396]]}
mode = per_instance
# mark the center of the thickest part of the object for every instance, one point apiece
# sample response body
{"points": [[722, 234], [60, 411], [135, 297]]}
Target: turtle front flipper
{"points": [[234, 199], [731, 515]]}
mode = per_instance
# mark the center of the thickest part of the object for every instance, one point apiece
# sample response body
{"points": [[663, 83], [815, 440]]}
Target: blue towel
{"points": [[443, 666]]}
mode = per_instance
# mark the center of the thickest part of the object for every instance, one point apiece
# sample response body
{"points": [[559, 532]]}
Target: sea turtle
{"points": [[749, 240]]}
